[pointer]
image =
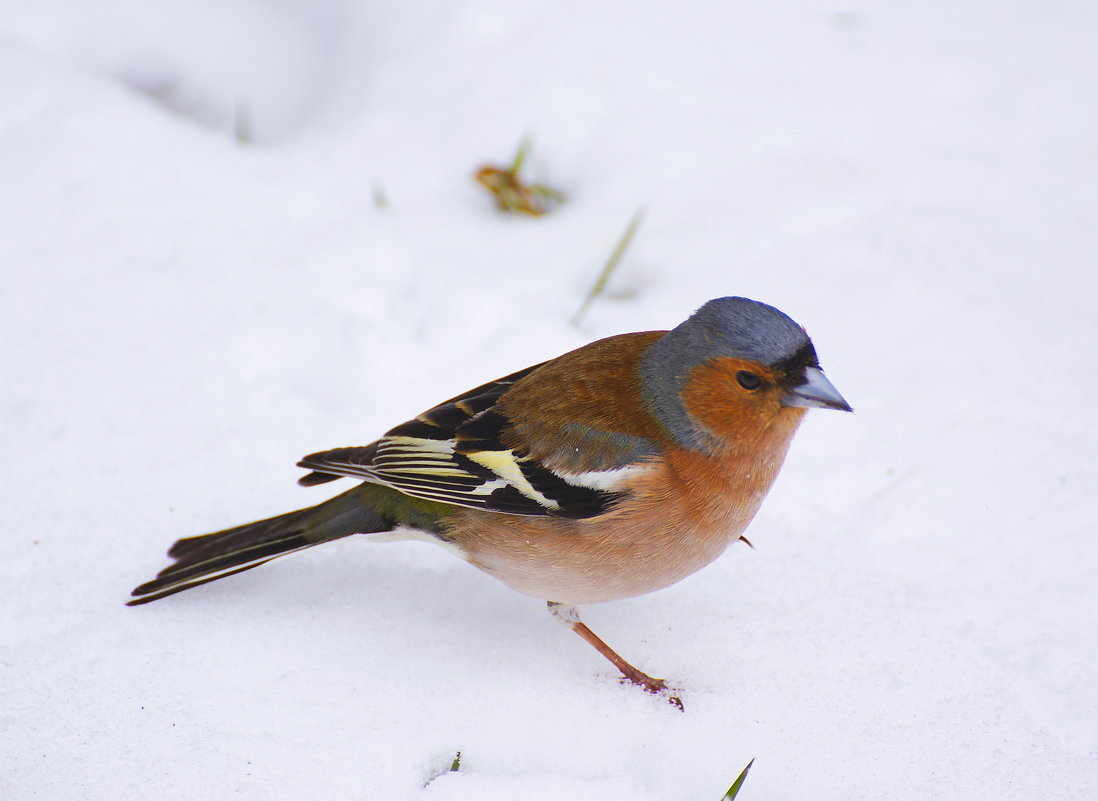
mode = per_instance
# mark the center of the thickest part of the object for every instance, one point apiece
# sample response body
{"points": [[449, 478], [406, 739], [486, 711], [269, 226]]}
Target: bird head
{"points": [[734, 366]]}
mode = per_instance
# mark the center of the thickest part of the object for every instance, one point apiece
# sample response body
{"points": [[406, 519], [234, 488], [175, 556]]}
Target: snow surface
{"points": [[184, 316]]}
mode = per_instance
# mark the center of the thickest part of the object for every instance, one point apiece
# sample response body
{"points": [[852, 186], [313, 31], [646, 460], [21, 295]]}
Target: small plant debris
{"points": [[381, 201], [243, 130], [455, 767], [515, 195]]}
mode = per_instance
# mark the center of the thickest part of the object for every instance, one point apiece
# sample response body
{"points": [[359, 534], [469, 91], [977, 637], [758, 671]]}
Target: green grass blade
{"points": [[608, 269], [734, 790], [520, 156]]}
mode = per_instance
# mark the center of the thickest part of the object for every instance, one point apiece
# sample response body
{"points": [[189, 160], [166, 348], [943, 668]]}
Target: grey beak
{"points": [[816, 393]]}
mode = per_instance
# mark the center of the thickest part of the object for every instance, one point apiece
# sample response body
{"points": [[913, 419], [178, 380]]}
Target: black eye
{"points": [[748, 380]]}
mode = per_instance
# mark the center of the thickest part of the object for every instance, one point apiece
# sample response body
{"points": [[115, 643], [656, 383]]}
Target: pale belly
{"points": [[603, 559]]}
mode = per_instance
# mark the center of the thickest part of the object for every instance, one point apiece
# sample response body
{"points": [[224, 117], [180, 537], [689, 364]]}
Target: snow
{"points": [[185, 316]]}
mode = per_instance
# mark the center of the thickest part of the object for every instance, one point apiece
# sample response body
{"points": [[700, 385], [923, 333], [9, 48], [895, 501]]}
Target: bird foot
{"points": [[570, 617], [653, 686]]}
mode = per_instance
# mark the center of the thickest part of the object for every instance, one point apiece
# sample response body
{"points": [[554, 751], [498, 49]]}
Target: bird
{"points": [[608, 472]]}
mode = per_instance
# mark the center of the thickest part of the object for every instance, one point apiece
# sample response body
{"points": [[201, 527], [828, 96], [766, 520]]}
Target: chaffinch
{"points": [[614, 470]]}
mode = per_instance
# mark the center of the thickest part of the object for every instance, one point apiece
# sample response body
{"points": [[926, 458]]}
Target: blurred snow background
{"points": [[184, 315]]}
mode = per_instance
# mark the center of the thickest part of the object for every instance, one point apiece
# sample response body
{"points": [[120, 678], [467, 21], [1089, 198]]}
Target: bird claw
{"points": [[654, 687]]}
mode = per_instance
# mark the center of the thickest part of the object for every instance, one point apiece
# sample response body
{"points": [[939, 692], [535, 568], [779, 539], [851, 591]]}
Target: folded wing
{"points": [[455, 453]]}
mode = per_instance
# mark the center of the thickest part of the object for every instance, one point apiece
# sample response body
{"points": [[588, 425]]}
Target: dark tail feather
{"points": [[209, 557]]}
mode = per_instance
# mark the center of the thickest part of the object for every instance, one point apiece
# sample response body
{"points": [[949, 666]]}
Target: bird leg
{"points": [[569, 616]]}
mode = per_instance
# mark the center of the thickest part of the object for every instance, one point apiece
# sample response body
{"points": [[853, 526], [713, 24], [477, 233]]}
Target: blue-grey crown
{"points": [[725, 327]]}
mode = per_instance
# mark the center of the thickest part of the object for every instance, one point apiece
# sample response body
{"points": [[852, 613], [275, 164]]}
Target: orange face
{"points": [[738, 400]]}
